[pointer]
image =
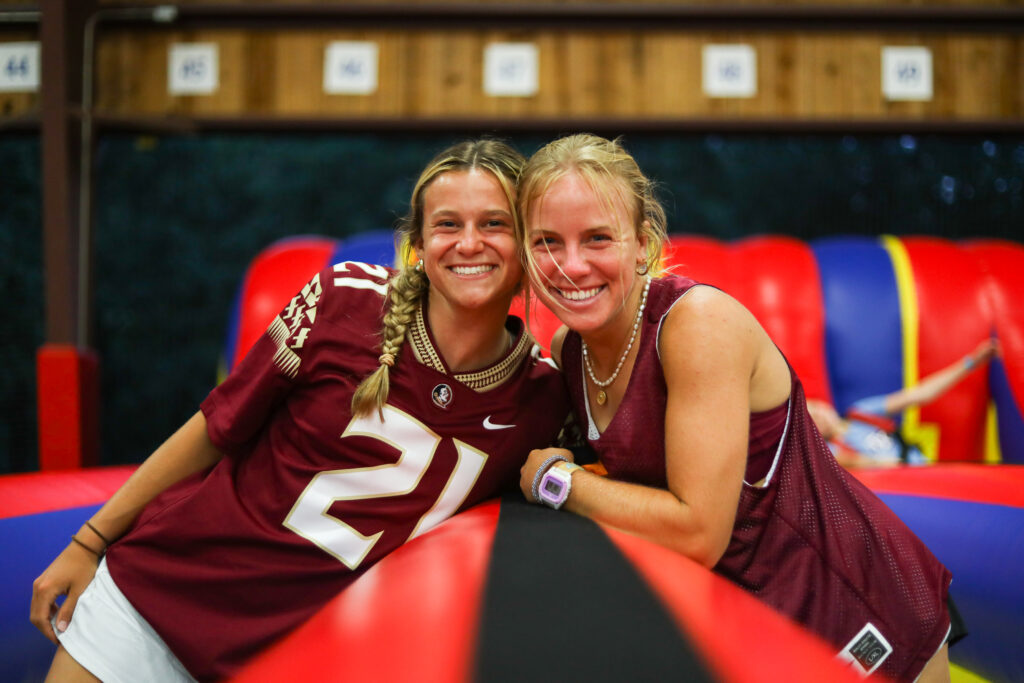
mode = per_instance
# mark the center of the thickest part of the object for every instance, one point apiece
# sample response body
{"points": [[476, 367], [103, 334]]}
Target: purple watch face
{"points": [[552, 489]]}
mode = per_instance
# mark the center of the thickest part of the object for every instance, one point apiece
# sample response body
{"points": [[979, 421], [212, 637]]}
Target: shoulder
{"points": [[540, 368], [710, 337], [352, 286], [358, 275], [702, 309], [557, 342], [707, 325]]}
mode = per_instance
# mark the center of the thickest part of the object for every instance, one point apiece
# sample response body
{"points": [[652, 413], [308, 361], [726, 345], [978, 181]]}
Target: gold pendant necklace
{"points": [[602, 395]]}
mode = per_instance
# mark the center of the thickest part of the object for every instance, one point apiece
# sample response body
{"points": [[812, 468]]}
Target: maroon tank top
{"points": [[617, 442], [813, 542]]}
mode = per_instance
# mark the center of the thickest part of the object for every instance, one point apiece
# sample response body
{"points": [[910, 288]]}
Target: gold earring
{"points": [[641, 268]]}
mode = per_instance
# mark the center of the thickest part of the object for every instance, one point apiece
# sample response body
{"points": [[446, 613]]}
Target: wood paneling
{"points": [[635, 74]]}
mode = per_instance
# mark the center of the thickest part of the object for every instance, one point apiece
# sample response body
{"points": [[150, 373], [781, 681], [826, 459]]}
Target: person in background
{"points": [[868, 435], [377, 404], [703, 428]]}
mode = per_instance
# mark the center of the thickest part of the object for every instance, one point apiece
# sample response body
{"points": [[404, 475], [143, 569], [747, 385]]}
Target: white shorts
{"points": [[110, 638]]}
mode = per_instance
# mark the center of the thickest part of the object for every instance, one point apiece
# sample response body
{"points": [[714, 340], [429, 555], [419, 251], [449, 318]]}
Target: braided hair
{"points": [[410, 284]]}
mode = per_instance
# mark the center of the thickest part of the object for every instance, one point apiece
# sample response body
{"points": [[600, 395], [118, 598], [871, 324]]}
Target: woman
{"points": [[330, 445], [869, 436], [703, 428]]}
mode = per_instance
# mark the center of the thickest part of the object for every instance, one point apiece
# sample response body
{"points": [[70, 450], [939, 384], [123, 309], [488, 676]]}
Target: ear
{"points": [[642, 240]]}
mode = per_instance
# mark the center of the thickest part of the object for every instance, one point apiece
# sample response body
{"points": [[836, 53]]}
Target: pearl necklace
{"points": [[602, 396]]}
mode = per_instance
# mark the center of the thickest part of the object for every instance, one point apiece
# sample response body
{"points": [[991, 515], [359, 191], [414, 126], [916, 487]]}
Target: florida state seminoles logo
{"points": [[442, 396]]}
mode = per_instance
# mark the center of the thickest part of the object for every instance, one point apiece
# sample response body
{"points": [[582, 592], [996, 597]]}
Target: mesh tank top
{"points": [[812, 542]]}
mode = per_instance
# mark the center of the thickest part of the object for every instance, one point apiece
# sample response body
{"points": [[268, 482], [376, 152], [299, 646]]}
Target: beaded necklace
{"points": [[602, 395]]}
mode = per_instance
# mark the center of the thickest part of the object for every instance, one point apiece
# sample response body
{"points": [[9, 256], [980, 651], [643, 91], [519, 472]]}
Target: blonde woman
{"points": [[377, 404], [703, 427]]}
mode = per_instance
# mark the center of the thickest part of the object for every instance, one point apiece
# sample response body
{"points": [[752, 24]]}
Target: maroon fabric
{"points": [[813, 542], [210, 564]]}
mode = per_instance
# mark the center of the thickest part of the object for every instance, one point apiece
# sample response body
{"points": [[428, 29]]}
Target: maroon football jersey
{"points": [[813, 542], [309, 497]]}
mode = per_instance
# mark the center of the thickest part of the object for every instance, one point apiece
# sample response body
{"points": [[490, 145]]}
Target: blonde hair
{"points": [[607, 168], [410, 284]]}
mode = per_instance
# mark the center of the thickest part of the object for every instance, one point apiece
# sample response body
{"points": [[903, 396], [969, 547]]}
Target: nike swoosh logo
{"points": [[490, 425]]}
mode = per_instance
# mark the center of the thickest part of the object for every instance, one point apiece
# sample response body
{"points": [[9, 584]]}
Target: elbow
{"points": [[710, 555], [708, 547], [704, 549]]}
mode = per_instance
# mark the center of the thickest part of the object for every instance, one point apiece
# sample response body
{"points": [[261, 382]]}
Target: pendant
{"points": [[602, 397]]}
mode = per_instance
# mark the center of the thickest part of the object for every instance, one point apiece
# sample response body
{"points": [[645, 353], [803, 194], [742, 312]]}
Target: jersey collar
{"points": [[488, 378]]}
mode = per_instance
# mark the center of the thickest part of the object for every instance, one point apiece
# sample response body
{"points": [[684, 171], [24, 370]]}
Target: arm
{"points": [[713, 353], [938, 383], [187, 451]]}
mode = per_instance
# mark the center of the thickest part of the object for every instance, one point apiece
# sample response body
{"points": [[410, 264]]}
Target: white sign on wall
{"points": [[510, 69], [192, 69], [350, 68], [907, 73], [730, 71], [19, 67]]}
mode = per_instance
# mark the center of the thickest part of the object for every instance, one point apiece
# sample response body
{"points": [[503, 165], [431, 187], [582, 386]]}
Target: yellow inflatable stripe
{"points": [[993, 454], [925, 436], [959, 674]]}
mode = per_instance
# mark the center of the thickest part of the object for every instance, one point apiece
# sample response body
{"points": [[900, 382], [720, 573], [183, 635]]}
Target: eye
{"points": [[543, 241]]}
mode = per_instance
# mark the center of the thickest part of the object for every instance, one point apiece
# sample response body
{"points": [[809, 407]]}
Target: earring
{"points": [[641, 268], [419, 264]]}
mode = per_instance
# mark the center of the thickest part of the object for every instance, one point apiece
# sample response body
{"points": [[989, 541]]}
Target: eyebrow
{"points": [[456, 212]]}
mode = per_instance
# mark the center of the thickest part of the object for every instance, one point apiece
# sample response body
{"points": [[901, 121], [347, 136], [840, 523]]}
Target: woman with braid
{"points": [[377, 404]]}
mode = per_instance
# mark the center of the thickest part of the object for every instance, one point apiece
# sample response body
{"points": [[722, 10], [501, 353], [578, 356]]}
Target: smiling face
{"points": [[468, 243], [585, 248]]}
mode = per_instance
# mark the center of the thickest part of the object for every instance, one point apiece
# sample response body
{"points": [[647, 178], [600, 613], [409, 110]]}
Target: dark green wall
{"points": [[21, 290], [178, 219]]}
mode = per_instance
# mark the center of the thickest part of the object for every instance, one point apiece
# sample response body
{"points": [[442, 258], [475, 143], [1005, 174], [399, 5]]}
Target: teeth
{"points": [[471, 270], [579, 294]]}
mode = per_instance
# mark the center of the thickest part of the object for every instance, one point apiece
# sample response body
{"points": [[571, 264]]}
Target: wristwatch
{"points": [[556, 483]]}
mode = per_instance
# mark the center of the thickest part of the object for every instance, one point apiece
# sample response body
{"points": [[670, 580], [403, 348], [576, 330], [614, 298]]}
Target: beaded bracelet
{"points": [[535, 489]]}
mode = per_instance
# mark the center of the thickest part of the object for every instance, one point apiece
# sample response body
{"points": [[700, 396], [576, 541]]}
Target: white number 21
{"points": [[416, 444]]}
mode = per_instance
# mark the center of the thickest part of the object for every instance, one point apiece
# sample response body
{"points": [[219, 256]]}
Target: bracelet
{"points": [[969, 362], [98, 554], [535, 489], [97, 532]]}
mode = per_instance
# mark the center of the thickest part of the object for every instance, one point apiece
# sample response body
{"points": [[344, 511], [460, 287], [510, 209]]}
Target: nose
{"points": [[574, 264], [471, 239]]}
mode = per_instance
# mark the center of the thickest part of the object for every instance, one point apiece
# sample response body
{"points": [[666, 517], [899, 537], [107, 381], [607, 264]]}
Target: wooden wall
{"points": [[641, 74], [632, 74]]}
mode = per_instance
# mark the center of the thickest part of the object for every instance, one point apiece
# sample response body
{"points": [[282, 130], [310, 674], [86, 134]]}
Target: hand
{"points": [[68, 575], [984, 351], [533, 463]]}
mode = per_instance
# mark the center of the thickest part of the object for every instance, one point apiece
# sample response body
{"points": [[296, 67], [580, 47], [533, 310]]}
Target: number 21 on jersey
{"points": [[416, 444]]}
